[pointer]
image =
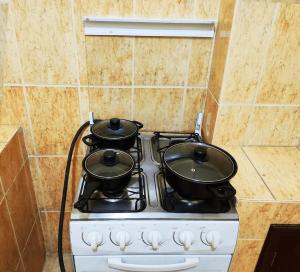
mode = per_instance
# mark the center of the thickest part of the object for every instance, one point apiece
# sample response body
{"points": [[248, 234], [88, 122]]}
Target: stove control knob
{"points": [[186, 238], [122, 239], [154, 239], [94, 239], [213, 239]]}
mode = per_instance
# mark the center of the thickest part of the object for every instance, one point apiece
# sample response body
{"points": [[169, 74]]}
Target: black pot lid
{"points": [[200, 162], [114, 129], [108, 163]]}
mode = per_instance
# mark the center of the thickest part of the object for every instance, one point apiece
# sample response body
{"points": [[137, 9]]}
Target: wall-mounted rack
{"points": [[103, 26]]}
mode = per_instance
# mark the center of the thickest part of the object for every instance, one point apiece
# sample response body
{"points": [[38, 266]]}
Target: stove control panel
{"points": [[153, 237]]}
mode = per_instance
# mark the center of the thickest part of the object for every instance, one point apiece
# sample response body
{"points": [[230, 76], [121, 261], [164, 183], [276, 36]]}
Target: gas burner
{"points": [[171, 201], [131, 199]]}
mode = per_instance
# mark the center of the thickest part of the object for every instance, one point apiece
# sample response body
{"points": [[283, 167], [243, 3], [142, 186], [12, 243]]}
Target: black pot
{"points": [[199, 171], [107, 170], [113, 133]]}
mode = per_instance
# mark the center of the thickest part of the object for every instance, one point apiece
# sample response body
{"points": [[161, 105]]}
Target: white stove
{"points": [[150, 228]]}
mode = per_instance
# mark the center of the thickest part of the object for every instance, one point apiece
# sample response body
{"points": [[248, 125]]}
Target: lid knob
{"points": [[109, 157], [200, 154], [114, 123]]}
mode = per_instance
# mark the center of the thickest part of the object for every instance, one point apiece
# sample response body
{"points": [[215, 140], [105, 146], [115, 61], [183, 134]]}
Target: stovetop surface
{"points": [[151, 202]]}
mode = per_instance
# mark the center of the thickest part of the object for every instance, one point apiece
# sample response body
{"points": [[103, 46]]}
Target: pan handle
{"points": [[90, 140], [223, 191], [138, 124]]}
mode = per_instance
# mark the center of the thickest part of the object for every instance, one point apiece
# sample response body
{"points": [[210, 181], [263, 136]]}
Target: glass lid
{"points": [[114, 129], [200, 162], [108, 163]]}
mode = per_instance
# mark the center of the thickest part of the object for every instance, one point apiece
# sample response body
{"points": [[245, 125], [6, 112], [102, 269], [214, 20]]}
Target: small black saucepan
{"points": [[197, 170], [113, 133], [107, 170]]}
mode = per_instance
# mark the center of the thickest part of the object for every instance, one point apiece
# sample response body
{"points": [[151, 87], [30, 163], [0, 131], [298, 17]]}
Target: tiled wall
{"points": [[3, 22], [21, 239], [256, 101], [55, 75]]}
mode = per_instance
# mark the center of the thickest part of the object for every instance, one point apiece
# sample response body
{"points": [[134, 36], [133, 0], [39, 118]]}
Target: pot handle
{"points": [[89, 140], [223, 191], [138, 124]]}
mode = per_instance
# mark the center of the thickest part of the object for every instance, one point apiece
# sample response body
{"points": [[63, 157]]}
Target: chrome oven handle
{"points": [[117, 263]]}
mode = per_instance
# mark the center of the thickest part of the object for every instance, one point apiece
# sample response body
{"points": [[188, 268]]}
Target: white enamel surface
{"points": [[187, 263], [162, 240]]}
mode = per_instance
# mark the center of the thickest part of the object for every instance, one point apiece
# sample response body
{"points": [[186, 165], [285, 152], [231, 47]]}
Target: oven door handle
{"points": [[117, 263]]}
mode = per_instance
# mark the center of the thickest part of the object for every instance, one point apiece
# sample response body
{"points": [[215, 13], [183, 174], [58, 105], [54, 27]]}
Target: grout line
{"points": [[14, 233], [258, 173], [27, 106], [46, 231], [75, 48], [45, 85], [132, 79], [17, 174], [229, 51], [31, 230], [53, 156], [262, 69], [261, 105], [212, 95]]}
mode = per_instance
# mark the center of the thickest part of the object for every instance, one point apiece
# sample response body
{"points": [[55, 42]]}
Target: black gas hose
{"points": [[64, 197]]}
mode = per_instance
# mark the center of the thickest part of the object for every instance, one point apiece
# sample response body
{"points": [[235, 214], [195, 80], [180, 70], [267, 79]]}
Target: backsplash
{"points": [[55, 75], [3, 22], [258, 100]]}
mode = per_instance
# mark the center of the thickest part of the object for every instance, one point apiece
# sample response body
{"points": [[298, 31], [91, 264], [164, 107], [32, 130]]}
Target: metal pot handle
{"points": [[89, 140], [223, 191], [138, 124]]}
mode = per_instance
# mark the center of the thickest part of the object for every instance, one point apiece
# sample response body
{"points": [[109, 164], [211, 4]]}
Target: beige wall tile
{"points": [[118, 8], [158, 109], [255, 218], [109, 60], [209, 118], [206, 9], [55, 123], [11, 162], [231, 125], [51, 237], [164, 8], [274, 126], [46, 48], [13, 112], [199, 60], [287, 213], [194, 103], [9, 254], [12, 68], [219, 56], [30, 187], [22, 211], [280, 80], [226, 13], [280, 169], [34, 253], [246, 255], [36, 180], [160, 61], [249, 37], [52, 179], [7, 132], [247, 182], [108, 103]]}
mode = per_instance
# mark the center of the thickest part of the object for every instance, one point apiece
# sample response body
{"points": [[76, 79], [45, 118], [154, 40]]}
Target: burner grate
{"points": [[170, 200], [133, 199]]}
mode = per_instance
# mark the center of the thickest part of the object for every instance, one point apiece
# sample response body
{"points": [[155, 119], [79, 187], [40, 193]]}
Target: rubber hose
{"points": [[64, 197]]}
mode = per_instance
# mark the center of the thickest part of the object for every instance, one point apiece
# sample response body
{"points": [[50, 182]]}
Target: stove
{"points": [[148, 226]]}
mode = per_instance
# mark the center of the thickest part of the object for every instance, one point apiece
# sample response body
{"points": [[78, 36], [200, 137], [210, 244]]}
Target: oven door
{"points": [[158, 263]]}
